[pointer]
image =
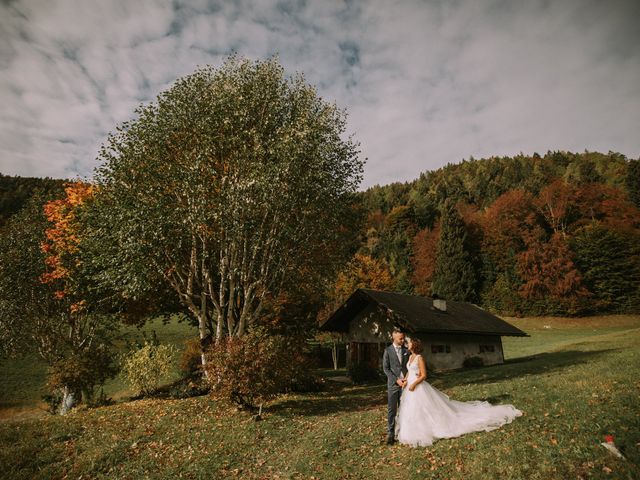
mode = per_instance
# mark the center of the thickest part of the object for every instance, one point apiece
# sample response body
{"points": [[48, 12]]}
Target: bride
{"points": [[426, 414]]}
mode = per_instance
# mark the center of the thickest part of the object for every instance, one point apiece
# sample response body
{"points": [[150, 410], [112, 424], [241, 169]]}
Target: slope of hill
{"points": [[572, 393], [542, 235], [15, 191], [534, 232], [481, 181]]}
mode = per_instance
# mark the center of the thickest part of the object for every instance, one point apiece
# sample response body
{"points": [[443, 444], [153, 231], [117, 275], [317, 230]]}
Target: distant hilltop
{"points": [[15, 191]]}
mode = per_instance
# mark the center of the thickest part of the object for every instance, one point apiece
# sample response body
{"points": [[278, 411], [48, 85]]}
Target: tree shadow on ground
{"points": [[365, 397], [539, 364], [337, 399]]}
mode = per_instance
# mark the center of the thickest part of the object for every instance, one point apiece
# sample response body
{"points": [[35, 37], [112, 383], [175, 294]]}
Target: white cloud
{"points": [[424, 83]]}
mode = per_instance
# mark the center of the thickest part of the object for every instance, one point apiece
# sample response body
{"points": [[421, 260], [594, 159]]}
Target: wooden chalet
{"points": [[451, 331]]}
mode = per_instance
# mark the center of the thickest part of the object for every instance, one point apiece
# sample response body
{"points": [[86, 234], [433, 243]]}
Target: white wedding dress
{"points": [[427, 414]]}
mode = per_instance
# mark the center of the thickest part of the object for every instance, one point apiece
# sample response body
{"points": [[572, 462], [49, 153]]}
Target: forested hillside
{"points": [[552, 234], [15, 191], [524, 235]]}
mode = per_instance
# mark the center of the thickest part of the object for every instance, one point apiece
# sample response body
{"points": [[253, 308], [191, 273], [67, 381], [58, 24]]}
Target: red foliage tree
{"points": [[505, 223], [556, 202], [607, 204], [548, 270], [423, 258]]}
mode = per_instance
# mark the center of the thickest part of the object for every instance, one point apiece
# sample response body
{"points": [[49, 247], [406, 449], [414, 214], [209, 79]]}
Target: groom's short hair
{"points": [[397, 329]]}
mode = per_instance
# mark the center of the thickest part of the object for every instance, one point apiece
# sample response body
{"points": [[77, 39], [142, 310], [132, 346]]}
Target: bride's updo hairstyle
{"points": [[416, 345]]}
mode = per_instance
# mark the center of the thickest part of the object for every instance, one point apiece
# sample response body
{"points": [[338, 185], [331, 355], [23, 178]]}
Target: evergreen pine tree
{"points": [[610, 262], [454, 277], [632, 181]]}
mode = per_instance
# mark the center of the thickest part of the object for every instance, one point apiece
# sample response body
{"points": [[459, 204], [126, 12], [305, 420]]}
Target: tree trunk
{"points": [[334, 355], [87, 395], [205, 342], [69, 400]]}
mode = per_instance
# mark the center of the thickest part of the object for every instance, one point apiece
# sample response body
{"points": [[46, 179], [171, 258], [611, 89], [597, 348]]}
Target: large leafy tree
{"points": [[233, 182]]}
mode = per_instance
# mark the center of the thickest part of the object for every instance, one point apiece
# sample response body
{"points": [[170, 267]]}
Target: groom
{"points": [[394, 364]]}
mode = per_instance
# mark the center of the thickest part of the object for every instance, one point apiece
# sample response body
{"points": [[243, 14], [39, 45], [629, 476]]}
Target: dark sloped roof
{"points": [[419, 315]]}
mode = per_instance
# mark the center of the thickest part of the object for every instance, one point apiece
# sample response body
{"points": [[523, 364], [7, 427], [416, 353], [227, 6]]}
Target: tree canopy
{"points": [[520, 216], [235, 181]]}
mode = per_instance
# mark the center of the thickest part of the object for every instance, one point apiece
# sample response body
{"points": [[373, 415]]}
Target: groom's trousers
{"points": [[393, 402]]}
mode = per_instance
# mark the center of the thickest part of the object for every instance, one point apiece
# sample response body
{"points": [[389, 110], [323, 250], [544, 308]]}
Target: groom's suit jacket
{"points": [[392, 366]]}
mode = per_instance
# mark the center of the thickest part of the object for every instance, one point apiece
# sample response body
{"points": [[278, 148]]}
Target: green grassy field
{"points": [[576, 380], [22, 380]]}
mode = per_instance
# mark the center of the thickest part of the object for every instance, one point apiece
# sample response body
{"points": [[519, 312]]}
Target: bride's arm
{"points": [[423, 373]]}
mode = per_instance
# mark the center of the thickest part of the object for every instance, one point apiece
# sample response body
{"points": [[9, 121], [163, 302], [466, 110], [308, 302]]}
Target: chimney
{"points": [[439, 303]]}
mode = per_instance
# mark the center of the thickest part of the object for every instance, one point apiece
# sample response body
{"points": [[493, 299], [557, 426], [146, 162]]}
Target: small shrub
{"points": [[363, 372], [81, 372], [471, 362], [143, 368], [255, 367], [191, 359]]}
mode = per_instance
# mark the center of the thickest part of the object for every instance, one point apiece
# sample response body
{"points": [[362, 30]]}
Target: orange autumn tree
{"points": [[547, 265], [82, 354], [363, 271], [62, 244], [566, 207]]}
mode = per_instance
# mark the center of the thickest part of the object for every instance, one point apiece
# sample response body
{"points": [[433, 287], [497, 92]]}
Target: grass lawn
{"points": [[574, 381], [22, 380], [550, 333]]}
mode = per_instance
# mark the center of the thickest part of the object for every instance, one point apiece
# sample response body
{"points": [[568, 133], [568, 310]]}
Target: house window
{"points": [[487, 348], [440, 348]]}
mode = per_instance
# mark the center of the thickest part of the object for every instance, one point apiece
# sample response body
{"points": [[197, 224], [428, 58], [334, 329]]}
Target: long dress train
{"points": [[427, 414]]}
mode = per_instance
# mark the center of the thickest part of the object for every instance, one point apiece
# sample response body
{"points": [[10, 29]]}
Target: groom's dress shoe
{"points": [[390, 440]]}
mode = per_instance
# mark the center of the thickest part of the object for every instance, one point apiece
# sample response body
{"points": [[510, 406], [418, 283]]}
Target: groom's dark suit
{"points": [[393, 368]]}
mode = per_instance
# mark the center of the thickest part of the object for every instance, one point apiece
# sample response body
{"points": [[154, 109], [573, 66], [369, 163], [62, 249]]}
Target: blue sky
{"points": [[425, 83]]}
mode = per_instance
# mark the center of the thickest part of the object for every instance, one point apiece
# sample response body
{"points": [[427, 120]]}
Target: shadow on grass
{"points": [[7, 404], [330, 372], [184, 387], [502, 398], [339, 399], [365, 397], [539, 364]]}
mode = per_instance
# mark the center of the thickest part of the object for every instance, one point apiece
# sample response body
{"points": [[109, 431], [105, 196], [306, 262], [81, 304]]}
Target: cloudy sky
{"points": [[425, 83]]}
